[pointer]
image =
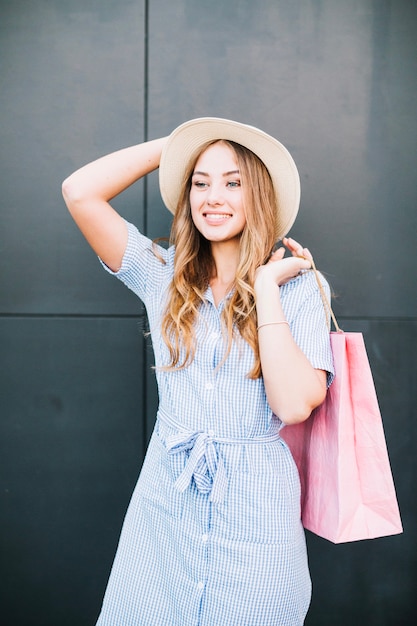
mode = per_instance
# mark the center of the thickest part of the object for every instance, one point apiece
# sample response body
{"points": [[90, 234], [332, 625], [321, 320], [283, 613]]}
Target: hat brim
{"points": [[185, 142]]}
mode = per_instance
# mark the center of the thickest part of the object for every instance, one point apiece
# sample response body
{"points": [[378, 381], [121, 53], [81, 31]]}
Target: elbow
{"points": [[295, 416], [301, 411], [295, 402], [69, 193], [74, 196]]}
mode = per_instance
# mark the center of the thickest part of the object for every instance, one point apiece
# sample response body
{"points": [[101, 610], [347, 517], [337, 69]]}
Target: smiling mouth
{"points": [[217, 216]]}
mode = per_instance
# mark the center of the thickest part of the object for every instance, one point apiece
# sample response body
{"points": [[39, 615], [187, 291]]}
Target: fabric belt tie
{"points": [[204, 463]]}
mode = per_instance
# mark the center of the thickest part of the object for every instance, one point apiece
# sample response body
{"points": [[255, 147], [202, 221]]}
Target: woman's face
{"points": [[216, 195]]}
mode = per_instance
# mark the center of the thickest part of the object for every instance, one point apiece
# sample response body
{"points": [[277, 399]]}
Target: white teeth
{"points": [[217, 216]]}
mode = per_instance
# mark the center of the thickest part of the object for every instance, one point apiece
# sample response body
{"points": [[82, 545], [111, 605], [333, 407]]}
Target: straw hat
{"points": [[186, 140]]}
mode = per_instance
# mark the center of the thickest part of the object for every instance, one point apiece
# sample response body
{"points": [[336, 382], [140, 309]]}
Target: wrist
{"points": [[269, 310], [275, 323], [264, 282]]}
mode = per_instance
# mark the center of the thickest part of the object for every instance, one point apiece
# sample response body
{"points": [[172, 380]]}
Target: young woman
{"points": [[213, 535]]}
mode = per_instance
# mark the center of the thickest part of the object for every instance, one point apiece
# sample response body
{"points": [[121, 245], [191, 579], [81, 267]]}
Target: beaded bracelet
{"points": [[272, 324]]}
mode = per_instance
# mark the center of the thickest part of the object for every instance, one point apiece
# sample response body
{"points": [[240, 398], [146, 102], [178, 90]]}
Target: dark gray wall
{"points": [[337, 83]]}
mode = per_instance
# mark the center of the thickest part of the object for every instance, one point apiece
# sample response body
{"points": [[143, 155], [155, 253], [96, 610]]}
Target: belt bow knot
{"points": [[204, 464]]}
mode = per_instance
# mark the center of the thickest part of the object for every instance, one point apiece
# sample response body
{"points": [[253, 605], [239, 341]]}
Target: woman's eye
{"points": [[199, 184], [233, 183]]}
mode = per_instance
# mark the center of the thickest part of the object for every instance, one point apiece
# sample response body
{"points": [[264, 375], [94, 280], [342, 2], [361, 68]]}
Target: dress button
{"points": [[200, 585], [204, 538], [210, 433], [209, 386]]}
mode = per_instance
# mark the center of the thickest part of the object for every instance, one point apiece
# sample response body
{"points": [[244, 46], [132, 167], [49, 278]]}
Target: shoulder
{"points": [[146, 265], [304, 286], [303, 296], [138, 242], [141, 250]]}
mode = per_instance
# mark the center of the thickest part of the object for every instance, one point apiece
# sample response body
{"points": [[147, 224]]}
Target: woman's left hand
{"points": [[281, 269]]}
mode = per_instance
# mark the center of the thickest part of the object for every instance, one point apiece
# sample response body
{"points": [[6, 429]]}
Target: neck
{"points": [[226, 257]]}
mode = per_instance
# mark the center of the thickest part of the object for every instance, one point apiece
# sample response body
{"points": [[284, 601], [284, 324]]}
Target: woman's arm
{"points": [[293, 387], [88, 191]]}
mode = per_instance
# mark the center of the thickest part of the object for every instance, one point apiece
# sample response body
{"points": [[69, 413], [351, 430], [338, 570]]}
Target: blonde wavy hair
{"points": [[194, 264]]}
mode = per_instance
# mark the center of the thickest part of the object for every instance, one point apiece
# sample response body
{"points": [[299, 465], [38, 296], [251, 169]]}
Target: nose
{"points": [[214, 195]]}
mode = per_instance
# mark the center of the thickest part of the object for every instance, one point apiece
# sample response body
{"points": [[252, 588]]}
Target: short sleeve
{"points": [[144, 265]]}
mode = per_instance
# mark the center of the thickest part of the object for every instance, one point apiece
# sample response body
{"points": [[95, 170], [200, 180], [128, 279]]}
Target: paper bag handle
{"points": [[325, 299]]}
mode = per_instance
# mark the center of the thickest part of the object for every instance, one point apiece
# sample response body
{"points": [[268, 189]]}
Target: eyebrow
{"points": [[198, 173]]}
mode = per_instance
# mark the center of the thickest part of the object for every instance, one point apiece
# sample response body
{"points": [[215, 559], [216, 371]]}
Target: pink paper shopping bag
{"points": [[347, 487]]}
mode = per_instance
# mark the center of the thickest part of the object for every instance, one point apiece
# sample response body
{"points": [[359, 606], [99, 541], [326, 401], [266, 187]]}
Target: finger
{"points": [[277, 255], [305, 262], [307, 254], [294, 247], [297, 249]]}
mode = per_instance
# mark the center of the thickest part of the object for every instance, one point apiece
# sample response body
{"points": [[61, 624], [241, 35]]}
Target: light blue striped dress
{"points": [[212, 535]]}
